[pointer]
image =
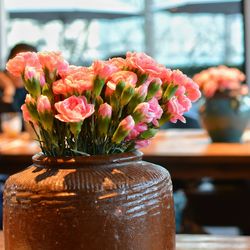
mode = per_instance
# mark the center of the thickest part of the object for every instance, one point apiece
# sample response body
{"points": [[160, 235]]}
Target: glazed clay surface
{"points": [[98, 202]]}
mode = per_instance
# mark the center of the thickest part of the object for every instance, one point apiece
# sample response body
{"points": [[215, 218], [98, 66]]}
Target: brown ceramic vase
{"points": [[115, 202]]}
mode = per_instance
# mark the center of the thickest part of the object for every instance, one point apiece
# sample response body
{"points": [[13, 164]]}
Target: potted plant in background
{"points": [[226, 108], [89, 188]]}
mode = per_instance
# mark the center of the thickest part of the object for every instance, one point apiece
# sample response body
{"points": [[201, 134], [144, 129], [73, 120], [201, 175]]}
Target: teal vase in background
{"points": [[225, 118]]}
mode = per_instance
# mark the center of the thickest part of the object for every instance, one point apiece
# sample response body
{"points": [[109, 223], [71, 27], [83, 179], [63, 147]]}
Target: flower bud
{"points": [[127, 94], [31, 107], [142, 79], [33, 87], [31, 73], [47, 91], [43, 104], [98, 85], [26, 113], [138, 97], [103, 119], [99, 102], [114, 101], [119, 88], [140, 112], [45, 112], [123, 129], [169, 92], [153, 88], [75, 128]]}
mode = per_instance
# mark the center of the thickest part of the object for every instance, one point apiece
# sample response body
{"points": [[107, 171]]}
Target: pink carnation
{"points": [[74, 109], [144, 63], [156, 111], [176, 110], [137, 130], [53, 61], [141, 143]]}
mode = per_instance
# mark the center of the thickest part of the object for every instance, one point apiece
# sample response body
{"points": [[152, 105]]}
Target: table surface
{"points": [[190, 154], [194, 143], [200, 242], [186, 153], [203, 242]]}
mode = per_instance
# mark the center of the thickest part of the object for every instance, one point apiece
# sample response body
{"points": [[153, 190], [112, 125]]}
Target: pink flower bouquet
{"points": [[110, 107], [221, 80]]}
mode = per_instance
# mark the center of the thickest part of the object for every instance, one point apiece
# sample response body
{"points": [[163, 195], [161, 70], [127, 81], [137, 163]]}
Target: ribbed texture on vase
{"points": [[122, 204]]}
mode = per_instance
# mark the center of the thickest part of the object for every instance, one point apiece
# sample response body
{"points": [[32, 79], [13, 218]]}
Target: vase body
{"points": [[225, 118], [98, 202]]}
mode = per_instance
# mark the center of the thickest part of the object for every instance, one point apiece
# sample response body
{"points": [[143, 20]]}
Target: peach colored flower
{"points": [[76, 81], [53, 61], [81, 80], [61, 88], [74, 109], [118, 62], [144, 63], [219, 79], [166, 75], [16, 65], [192, 90], [128, 77], [104, 68]]}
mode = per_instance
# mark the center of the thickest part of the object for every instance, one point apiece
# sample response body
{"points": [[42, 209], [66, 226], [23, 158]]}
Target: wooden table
{"points": [[189, 154], [203, 242], [200, 242]]}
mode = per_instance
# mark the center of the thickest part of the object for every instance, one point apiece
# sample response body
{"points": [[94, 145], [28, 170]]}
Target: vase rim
{"points": [[71, 161]]}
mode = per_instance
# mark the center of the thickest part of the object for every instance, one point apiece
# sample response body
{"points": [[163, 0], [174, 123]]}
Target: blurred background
{"points": [[189, 35]]}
